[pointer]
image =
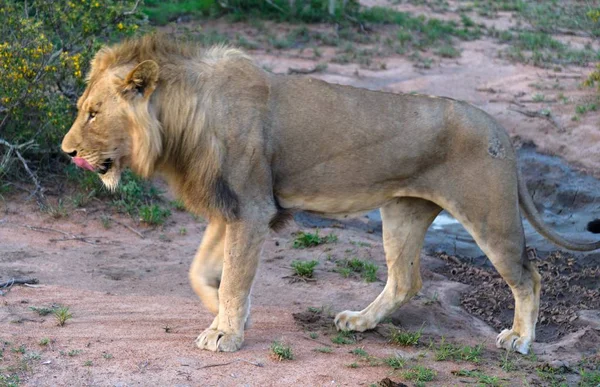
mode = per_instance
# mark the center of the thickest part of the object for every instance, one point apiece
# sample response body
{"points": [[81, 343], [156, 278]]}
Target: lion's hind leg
{"points": [[495, 223], [405, 222]]}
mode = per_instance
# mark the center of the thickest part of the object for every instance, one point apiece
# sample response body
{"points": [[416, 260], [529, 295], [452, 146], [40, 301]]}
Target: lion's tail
{"points": [[533, 216]]}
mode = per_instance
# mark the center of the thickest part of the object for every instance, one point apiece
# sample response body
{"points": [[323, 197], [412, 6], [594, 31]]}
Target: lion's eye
{"points": [[92, 116]]}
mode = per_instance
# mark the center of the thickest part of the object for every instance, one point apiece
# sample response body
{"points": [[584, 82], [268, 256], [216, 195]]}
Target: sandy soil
{"points": [[135, 316]]}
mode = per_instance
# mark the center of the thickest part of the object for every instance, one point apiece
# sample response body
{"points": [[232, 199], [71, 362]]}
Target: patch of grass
{"points": [[507, 364], [543, 50], [88, 363], [324, 349], [62, 315], [419, 374], [482, 379], [314, 309], [344, 271], [107, 356], [106, 221], [74, 352], [304, 269], [594, 77], [361, 244], [589, 378], [551, 377], [449, 351], [9, 380], [344, 338], [42, 310], [367, 270], [585, 108], [134, 193], [178, 205], [161, 12], [313, 335], [182, 231], [32, 356], [352, 365], [551, 16], [57, 210], [80, 199], [539, 97], [305, 240], [359, 352], [405, 338], [154, 214], [280, 351], [448, 52], [44, 341], [395, 362], [420, 32], [20, 349]]}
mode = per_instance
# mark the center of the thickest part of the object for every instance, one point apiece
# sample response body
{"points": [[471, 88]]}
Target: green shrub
{"points": [[44, 55], [307, 239], [367, 270], [304, 269], [154, 214], [280, 351]]}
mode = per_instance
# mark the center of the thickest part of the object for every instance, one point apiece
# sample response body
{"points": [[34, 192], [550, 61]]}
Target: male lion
{"points": [[246, 147]]}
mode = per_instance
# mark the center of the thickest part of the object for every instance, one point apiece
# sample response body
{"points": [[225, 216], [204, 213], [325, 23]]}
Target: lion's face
{"points": [[105, 136]]}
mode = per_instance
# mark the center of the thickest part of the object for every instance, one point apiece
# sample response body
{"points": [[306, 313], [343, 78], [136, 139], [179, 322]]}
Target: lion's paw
{"points": [[511, 341], [353, 321], [218, 341]]}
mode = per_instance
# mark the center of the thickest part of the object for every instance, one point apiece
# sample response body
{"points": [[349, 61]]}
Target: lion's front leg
{"points": [[206, 269], [243, 244]]}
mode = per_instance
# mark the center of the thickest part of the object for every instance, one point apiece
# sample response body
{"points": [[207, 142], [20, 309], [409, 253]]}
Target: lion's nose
{"points": [[72, 154]]}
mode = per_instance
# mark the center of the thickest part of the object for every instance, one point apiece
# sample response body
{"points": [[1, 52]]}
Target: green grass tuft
{"points": [[482, 379], [359, 352], [304, 269], [62, 315], [344, 338], [395, 362], [419, 374], [405, 338], [281, 351], [367, 270], [448, 351], [154, 214], [305, 239]]}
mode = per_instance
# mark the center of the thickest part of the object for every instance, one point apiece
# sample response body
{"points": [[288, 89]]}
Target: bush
{"points": [[46, 48]]}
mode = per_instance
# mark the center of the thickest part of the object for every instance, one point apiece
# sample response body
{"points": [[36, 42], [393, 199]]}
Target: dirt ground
{"points": [[135, 317]]}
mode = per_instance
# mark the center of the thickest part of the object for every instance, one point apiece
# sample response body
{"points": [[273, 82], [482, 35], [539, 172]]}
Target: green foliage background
{"points": [[44, 53]]}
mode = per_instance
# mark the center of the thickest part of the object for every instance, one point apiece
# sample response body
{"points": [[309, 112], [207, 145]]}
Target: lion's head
{"points": [[114, 128]]}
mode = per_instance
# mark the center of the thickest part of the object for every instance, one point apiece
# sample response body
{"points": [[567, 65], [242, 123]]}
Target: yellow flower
{"points": [[120, 26]]}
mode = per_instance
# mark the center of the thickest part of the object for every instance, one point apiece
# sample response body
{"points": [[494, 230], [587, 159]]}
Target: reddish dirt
{"points": [[135, 316]]}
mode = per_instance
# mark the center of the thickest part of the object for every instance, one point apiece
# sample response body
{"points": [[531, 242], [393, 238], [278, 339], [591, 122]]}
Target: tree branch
{"points": [[39, 190]]}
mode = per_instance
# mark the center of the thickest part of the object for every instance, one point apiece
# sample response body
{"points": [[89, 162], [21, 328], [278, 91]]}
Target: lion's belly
{"points": [[334, 207]]}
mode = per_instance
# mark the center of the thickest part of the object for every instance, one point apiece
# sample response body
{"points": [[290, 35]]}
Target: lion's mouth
{"points": [[106, 165]]}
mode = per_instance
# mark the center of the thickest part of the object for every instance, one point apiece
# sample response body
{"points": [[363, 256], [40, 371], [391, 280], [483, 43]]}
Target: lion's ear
{"points": [[141, 80]]}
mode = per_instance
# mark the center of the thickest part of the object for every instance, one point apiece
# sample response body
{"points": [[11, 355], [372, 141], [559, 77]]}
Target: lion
{"points": [[247, 148]]}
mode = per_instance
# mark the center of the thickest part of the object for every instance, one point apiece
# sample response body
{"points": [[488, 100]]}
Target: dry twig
{"points": [[39, 190], [231, 362], [133, 230], [14, 281], [539, 114]]}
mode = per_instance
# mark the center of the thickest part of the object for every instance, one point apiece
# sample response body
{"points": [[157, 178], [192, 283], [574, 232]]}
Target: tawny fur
{"points": [[246, 148]]}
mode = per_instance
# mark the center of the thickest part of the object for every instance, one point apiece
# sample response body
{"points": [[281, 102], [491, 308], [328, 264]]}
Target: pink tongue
{"points": [[82, 163]]}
